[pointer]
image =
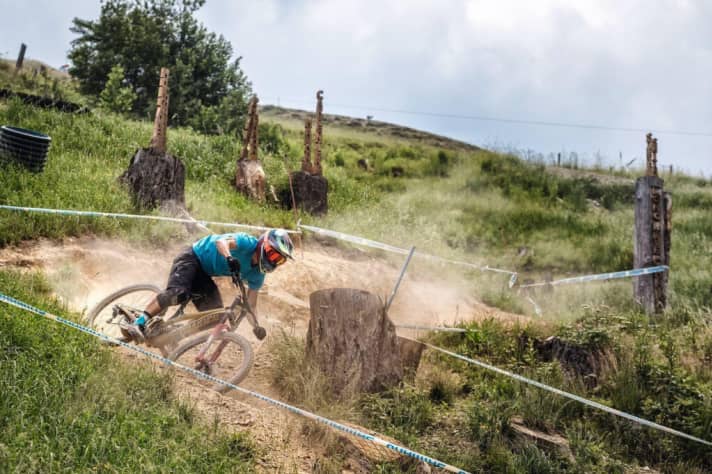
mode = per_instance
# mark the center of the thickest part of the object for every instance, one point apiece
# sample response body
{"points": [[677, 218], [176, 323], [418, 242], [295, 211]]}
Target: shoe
{"points": [[133, 331], [153, 327]]}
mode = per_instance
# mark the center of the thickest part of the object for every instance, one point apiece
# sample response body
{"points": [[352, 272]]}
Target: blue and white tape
{"points": [[571, 396], [349, 238], [430, 328], [602, 276], [354, 239], [390, 248], [69, 212], [312, 416]]}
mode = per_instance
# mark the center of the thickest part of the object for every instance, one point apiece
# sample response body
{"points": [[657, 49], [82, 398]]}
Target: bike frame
{"points": [[220, 319]]}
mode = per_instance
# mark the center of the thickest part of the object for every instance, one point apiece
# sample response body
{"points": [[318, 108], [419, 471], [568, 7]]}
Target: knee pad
{"points": [[172, 297]]}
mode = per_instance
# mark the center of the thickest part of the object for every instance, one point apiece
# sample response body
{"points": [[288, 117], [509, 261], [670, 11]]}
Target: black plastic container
{"points": [[23, 146]]}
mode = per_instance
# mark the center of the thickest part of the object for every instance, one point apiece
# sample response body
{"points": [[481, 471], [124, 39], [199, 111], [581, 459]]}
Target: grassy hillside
{"points": [[40, 79], [455, 201], [69, 405]]}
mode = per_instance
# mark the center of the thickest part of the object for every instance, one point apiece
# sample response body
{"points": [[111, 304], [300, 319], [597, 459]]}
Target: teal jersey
{"points": [[215, 264]]}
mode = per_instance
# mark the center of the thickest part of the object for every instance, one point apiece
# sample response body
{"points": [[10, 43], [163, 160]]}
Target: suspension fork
{"points": [[217, 330]]}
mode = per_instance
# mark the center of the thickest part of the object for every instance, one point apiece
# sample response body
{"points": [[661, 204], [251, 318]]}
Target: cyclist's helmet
{"points": [[275, 248]]}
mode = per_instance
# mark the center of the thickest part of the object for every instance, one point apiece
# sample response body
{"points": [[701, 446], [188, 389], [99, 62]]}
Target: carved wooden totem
{"points": [[250, 176]]}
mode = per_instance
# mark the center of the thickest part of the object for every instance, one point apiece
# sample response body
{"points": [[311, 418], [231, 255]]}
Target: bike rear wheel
{"points": [[135, 297], [229, 357]]}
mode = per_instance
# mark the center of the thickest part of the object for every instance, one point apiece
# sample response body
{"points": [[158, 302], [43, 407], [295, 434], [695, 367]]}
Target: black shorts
{"points": [[187, 276]]}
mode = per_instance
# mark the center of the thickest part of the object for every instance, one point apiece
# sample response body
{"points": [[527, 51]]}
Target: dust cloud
{"points": [[84, 270]]}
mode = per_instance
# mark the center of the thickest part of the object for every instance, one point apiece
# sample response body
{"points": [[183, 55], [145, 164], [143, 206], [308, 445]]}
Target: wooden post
{"points": [[653, 229], [249, 133], [250, 177], [558, 160], [20, 58], [254, 121], [240, 175], [317, 141], [246, 134], [160, 124], [310, 187]]}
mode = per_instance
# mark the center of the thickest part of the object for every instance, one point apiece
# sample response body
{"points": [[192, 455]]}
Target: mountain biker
{"points": [[217, 255]]}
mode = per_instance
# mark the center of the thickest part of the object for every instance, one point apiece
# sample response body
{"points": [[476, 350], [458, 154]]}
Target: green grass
{"points": [[69, 405], [32, 80], [472, 428]]}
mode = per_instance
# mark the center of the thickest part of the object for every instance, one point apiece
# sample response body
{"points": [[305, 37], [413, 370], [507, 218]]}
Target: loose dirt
{"points": [[84, 270]]}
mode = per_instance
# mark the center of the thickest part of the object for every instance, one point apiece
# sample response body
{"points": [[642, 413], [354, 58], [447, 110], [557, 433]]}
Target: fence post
{"points": [[653, 229], [20, 58], [160, 124], [318, 137]]}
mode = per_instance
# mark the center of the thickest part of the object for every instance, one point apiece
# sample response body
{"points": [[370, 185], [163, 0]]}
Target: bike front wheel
{"points": [[229, 357], [135, 297]]}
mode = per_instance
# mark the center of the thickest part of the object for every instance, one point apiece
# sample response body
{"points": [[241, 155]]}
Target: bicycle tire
{"points": [[187, 349], [92, 317]]}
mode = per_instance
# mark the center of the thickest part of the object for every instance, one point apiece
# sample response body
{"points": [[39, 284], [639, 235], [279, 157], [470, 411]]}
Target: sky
{"points": [[445, 66]]}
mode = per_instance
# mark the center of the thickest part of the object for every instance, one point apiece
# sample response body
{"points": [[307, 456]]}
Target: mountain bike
{"points": [[203, 340]]}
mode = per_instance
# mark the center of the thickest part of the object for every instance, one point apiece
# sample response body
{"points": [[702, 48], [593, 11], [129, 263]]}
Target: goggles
{"points": [[272, 258]]}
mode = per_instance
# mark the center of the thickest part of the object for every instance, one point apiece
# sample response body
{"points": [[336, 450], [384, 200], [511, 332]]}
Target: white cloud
{"points": [[614, 63], [628, 63]]}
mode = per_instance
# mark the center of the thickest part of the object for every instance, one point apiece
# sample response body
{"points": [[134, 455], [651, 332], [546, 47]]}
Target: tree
{"points": [[208, 90], [115, 96]]}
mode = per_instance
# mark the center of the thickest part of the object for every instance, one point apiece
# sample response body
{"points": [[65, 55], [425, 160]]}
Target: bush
{"points": [[117, 97], [533, 181]]}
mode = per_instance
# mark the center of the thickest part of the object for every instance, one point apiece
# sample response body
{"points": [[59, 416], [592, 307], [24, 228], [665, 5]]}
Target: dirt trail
{"points": [[84, 270]]}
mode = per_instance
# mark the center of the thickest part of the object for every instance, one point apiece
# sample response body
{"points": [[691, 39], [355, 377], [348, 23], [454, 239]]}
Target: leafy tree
{"points": [[208, 91], [115, 96]]}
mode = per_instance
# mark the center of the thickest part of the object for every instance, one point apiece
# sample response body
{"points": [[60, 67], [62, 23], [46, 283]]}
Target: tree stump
{"points": [[310, 193], [352, 341], [155, 178]]}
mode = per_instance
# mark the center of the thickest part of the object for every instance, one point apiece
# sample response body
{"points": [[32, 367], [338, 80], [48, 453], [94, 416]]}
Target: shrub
{"points": [[402, 412], [533, 181], [117, 97]]}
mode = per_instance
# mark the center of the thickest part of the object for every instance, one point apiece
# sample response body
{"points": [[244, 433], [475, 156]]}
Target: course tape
{"points": [[602, 276], [352, 431], [354, 239], [571, 396], [390, 248], [430, 328], [69, 212]]}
